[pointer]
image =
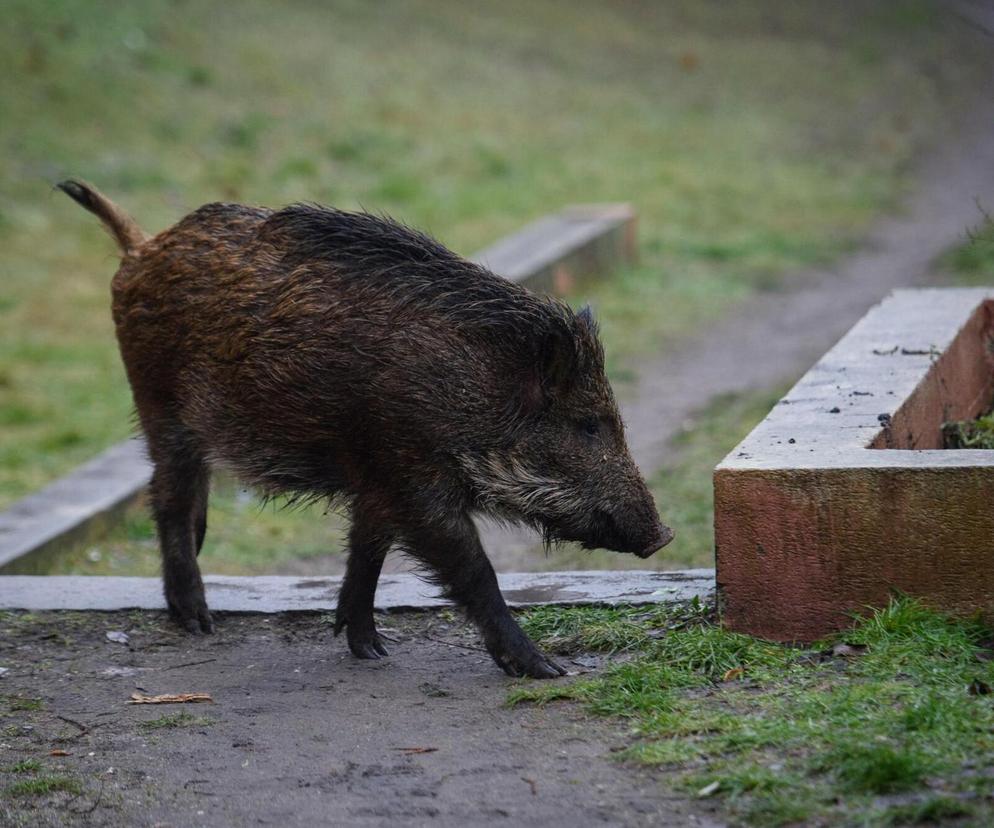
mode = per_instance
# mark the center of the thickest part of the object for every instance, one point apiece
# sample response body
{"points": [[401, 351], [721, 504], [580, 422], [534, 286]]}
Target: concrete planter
{"points": [[843, 494]]}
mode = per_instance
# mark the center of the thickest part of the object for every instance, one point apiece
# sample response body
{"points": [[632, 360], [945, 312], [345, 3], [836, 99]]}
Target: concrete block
{"points": [[843, 495]]}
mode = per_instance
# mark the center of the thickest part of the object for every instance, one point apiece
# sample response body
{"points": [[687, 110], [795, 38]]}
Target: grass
{"points": [[970, 434], [23, 704], [24, 766], [43, 786], [753, 141], [972, 263], [683, 490], [897, 732]]}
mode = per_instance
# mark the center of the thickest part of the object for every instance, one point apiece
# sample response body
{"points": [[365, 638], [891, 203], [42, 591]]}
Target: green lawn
{"points": [[753, 139], [890, 723]]}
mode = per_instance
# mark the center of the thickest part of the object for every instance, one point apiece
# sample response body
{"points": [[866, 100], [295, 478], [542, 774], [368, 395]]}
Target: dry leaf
{"points": [[689, 61], [733, 674], [416, 749], [58, 752], [170, 698]]}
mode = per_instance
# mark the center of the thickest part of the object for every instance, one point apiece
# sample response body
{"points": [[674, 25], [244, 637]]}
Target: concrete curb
{"points": [[549, 255], [272, 594]]}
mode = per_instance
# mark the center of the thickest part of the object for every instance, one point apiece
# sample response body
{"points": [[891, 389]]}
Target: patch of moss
{"points": [[969, 434]]}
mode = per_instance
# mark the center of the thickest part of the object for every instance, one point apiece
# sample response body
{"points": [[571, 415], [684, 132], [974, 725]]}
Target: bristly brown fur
{"points": [[326, 354]]}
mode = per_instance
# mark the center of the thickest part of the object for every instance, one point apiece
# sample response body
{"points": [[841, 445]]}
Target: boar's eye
{"points": [[591, 426]]}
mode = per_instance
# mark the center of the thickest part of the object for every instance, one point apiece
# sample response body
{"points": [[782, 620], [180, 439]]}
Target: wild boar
{"points": [[342, 356]]}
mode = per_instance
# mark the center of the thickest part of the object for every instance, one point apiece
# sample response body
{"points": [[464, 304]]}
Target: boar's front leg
{"points": [[369, 543], [456, 557]]}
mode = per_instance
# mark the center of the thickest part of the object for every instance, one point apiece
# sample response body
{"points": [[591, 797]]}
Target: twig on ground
{"points": [[454, 644], [84, 728], [188, 664]]}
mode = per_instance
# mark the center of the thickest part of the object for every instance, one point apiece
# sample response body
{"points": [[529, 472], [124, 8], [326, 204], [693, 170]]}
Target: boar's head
{"points": [[567, 469]]}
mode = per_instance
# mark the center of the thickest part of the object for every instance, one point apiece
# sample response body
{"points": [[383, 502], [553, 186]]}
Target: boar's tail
{"points": [[121, 226]]}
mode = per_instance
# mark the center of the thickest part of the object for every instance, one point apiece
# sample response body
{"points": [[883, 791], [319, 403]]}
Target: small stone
{"points": [[835, 410], [792, 441], [709, 790], [117, 672], [118, 637]]}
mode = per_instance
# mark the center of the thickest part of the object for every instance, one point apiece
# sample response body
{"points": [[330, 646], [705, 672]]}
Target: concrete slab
{"points": [[74, 509], [275, 594], [842, 493], [555, 252], [549, 255]]}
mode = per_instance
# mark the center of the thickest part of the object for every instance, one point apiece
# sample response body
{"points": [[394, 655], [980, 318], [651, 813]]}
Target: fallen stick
{"points": [[170, 698]]}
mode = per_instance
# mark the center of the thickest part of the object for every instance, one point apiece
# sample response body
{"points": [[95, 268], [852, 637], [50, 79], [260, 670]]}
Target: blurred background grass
{"points": [[753, 138]]}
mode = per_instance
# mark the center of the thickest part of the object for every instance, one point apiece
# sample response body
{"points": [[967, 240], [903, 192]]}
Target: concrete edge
{"points": [[550, 255], [74, 508], [275, 594]]}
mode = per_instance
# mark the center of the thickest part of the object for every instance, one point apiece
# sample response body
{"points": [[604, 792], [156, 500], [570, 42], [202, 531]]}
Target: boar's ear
{"points": [[553, 371], [560, 360]]}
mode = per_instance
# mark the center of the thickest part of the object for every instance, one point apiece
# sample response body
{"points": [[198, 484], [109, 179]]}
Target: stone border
{"points": [[842, 494], [270, 594], [549, 255]]}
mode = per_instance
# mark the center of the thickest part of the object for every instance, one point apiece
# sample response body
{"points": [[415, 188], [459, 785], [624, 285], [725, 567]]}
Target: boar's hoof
{"points": [[534, 666], [517, 656], [194, 617], [364, 640], [366, 646]]}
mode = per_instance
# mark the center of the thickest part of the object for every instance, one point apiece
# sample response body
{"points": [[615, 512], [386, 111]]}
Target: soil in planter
{"points": [[969, 434]]}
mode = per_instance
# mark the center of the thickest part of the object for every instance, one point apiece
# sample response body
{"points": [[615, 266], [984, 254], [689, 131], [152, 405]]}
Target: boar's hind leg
{"points": [[179, 500], [368, 546], [459, 563]]}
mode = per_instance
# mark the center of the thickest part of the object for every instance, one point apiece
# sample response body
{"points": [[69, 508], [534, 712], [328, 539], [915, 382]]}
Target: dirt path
{"points": [[301, 733]]}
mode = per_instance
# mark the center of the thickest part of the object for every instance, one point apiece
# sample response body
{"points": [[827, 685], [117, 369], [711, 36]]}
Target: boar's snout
{"points": [[663, 536], [635, 535]]}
